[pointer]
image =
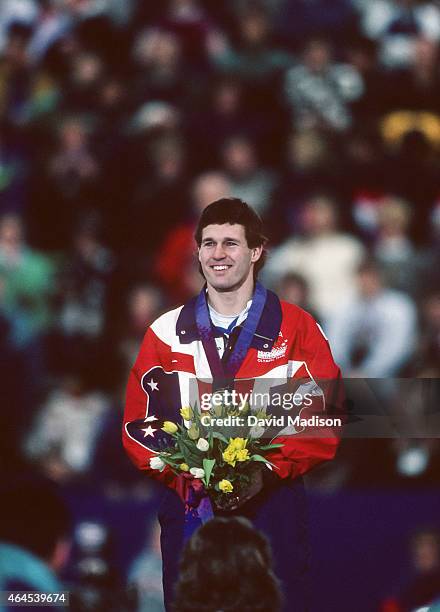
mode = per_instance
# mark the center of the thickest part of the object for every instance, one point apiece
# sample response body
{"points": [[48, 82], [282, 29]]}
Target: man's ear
{"points": [[256, 253]]}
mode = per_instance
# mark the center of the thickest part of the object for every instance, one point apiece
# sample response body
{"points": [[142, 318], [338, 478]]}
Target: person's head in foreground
{"points": [[226, 566], [43, 531], [231, 243]]}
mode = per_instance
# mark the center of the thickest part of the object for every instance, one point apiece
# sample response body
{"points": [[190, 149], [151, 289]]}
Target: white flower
{"points": [[156, 463], [202, 444], [187, 423], [197, 472]]}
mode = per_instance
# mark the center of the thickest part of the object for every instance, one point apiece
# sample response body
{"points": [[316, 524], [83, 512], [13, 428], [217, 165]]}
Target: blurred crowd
{"points": [[120, 120]]}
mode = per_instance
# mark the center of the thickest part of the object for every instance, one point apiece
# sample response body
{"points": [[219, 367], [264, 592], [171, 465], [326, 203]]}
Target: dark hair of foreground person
{"points": [[227, 567]]}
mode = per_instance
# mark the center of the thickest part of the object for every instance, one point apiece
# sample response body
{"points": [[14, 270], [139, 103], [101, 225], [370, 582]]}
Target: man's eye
{"points": [[208, 244], [231, 243]]}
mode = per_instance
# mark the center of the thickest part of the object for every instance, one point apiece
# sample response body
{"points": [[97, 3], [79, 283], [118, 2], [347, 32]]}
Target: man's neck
{"points": [[230, 302]]}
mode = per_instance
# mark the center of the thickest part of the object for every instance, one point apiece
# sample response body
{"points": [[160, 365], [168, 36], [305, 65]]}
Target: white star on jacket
{"points": [[149, 431], [153, 385]]}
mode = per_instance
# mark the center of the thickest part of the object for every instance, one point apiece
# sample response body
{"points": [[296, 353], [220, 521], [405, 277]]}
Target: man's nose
{"points": [[219, 252]]}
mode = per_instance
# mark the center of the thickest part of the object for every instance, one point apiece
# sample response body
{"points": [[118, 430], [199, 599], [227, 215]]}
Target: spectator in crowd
{"points": [[52, 23], [143, 306], [177, 253], [28, 275], [13, 176], [373, 334], [255, 58], [361, 53], [161, 199], [159, 73], [416, 87], [145, 574], [428, 351], [23, 12], [82, 88], [411, 168], [21, 383], [319, 90], [83, 288], [310, 160], [422, 584], [197, 32], [393, 248], [66, 185], [249, 181], [326, 257], [227, 565], [430, 252], [64, 434], [396, 24], [224, 113], [73, 162], [293, 288], [97, 579], [15, 75], [365, 178], [32, 552]]}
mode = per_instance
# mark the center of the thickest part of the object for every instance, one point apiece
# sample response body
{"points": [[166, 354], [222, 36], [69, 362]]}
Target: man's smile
{"points": [[221, 267]]}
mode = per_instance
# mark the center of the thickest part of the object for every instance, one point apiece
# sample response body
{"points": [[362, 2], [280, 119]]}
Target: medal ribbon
{"points": [[220, 371]]}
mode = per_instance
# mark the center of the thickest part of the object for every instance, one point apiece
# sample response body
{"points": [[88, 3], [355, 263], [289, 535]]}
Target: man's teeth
{"points": [[220, 267]]}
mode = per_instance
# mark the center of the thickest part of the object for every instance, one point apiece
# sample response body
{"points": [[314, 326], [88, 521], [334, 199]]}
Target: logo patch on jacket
{"points": [[278, 350]]}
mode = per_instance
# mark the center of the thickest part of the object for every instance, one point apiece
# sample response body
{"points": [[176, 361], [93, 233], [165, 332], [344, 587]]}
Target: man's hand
{"points": [[235, 501], [185, 482]]}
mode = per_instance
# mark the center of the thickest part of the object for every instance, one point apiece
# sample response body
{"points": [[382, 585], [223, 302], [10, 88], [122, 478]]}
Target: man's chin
{"points": [[225, 285]]}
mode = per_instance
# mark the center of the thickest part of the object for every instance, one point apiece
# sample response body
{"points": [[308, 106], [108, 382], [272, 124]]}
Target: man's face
{"points": [[226, 260]]}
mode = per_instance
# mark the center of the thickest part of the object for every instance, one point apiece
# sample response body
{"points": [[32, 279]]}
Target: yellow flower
{"points": [[169, 427], [184, 467], [242, 455], [237, 443], [226, 486], [229, 456], [193, 432], [186, 413]]}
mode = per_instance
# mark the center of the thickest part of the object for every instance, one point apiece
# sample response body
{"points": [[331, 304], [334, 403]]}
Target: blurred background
{"points": [[120, 120]]}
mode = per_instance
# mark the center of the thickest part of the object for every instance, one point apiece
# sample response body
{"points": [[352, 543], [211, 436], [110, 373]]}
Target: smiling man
{"points": [[234, 330]]}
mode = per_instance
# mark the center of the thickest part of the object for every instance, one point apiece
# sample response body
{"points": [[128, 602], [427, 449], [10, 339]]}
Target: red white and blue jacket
{"points": [[287, 344]]}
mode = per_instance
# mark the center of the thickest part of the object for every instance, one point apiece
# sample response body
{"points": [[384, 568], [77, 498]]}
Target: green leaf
{"points": [[196, 416], [270, 446], [186, 452], [260, 458], [169, 462], [208, 466], [176, 456], [219, 436]]}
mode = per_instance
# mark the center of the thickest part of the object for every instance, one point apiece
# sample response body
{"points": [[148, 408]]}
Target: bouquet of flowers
{"points": [[217, 447]]}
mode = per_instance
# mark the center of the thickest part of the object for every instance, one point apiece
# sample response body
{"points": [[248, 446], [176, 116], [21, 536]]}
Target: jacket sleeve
{"points": [[153, 353], [310, 446]]}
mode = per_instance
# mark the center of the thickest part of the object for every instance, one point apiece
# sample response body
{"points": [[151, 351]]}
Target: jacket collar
{"points": [[265, 335]]}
